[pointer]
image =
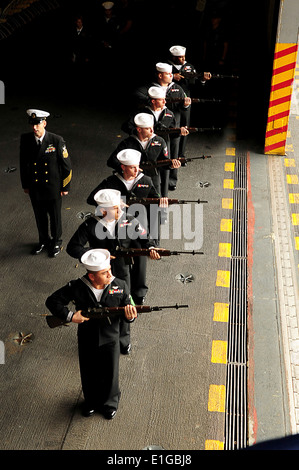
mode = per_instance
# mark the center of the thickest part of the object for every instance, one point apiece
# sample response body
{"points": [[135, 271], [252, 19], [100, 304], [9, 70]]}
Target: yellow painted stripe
{"points": [[293, 198], [219, 352], [216, 398], [230, 151], [223, 278], [227, 203], [289, 162], [225, 250], [292, 179], [221, 312], [226, 225], [228, 184], [295, 219], [279, 108], [229, 166], [297, 243], [211, 444]]}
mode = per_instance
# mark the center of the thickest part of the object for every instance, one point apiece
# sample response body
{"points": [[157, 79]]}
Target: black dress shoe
{"points": [[109, 413], [53, 252], [138, 300], [38, 249], [172, 188], [87, 410], [126, 349]]}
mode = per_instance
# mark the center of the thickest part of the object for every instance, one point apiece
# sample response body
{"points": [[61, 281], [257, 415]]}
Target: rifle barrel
{"points": [[103, 312]]}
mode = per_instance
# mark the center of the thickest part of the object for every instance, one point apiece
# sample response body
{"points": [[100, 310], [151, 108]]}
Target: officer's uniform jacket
{"points": [[46, 170]]}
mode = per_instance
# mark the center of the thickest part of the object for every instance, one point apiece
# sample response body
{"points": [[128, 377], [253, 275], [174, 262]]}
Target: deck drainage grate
{"points": [[236, 381]]}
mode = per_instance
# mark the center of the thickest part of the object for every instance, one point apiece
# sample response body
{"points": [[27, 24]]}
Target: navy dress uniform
{"points": [[175, 99], [152, 149], [140, 186], [46, 173], [97, 232], [164, 119], [181, 66], [98, 339]]}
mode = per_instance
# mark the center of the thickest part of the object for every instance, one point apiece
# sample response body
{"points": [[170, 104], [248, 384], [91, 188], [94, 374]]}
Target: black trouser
{"points": [[44, 211], [99, 369], [121, 270]]}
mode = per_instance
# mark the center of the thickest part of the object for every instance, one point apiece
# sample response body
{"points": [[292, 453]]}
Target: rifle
{"points": [[200, 75], [193, 100], [168, 161], [177, 130], [156, 200], [131, 252], [106, 312]]}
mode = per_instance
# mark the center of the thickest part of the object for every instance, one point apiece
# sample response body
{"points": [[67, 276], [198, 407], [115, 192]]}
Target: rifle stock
{"points": [[97, 313]]}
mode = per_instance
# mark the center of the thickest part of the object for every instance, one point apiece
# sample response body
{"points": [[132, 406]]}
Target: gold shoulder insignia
{"points": [[65, 152]]}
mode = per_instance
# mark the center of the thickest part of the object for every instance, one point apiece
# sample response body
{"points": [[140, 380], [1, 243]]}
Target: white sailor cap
{"points": [[163, 67], [37, 115], [156, 92], [108, 5], [96, 259], [129, 157], [177, 50], [107, 197], [144, 120]]}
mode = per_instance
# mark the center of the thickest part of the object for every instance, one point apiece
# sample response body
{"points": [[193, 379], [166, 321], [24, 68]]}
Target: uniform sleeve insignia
{"points": [[65, 152]]}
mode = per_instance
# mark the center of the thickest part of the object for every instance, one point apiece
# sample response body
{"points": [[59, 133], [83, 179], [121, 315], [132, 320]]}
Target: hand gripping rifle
{"points": [[156, 200], [97, 313], [132, 252], [168, 162]]}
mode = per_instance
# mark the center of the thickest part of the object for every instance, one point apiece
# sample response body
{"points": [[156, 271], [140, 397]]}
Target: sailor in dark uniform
{"points": [[152, 148], [132, 183], [98, 339], [112, 229], [164, 119], [176, 100], [46, 174], [180, 70]]}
